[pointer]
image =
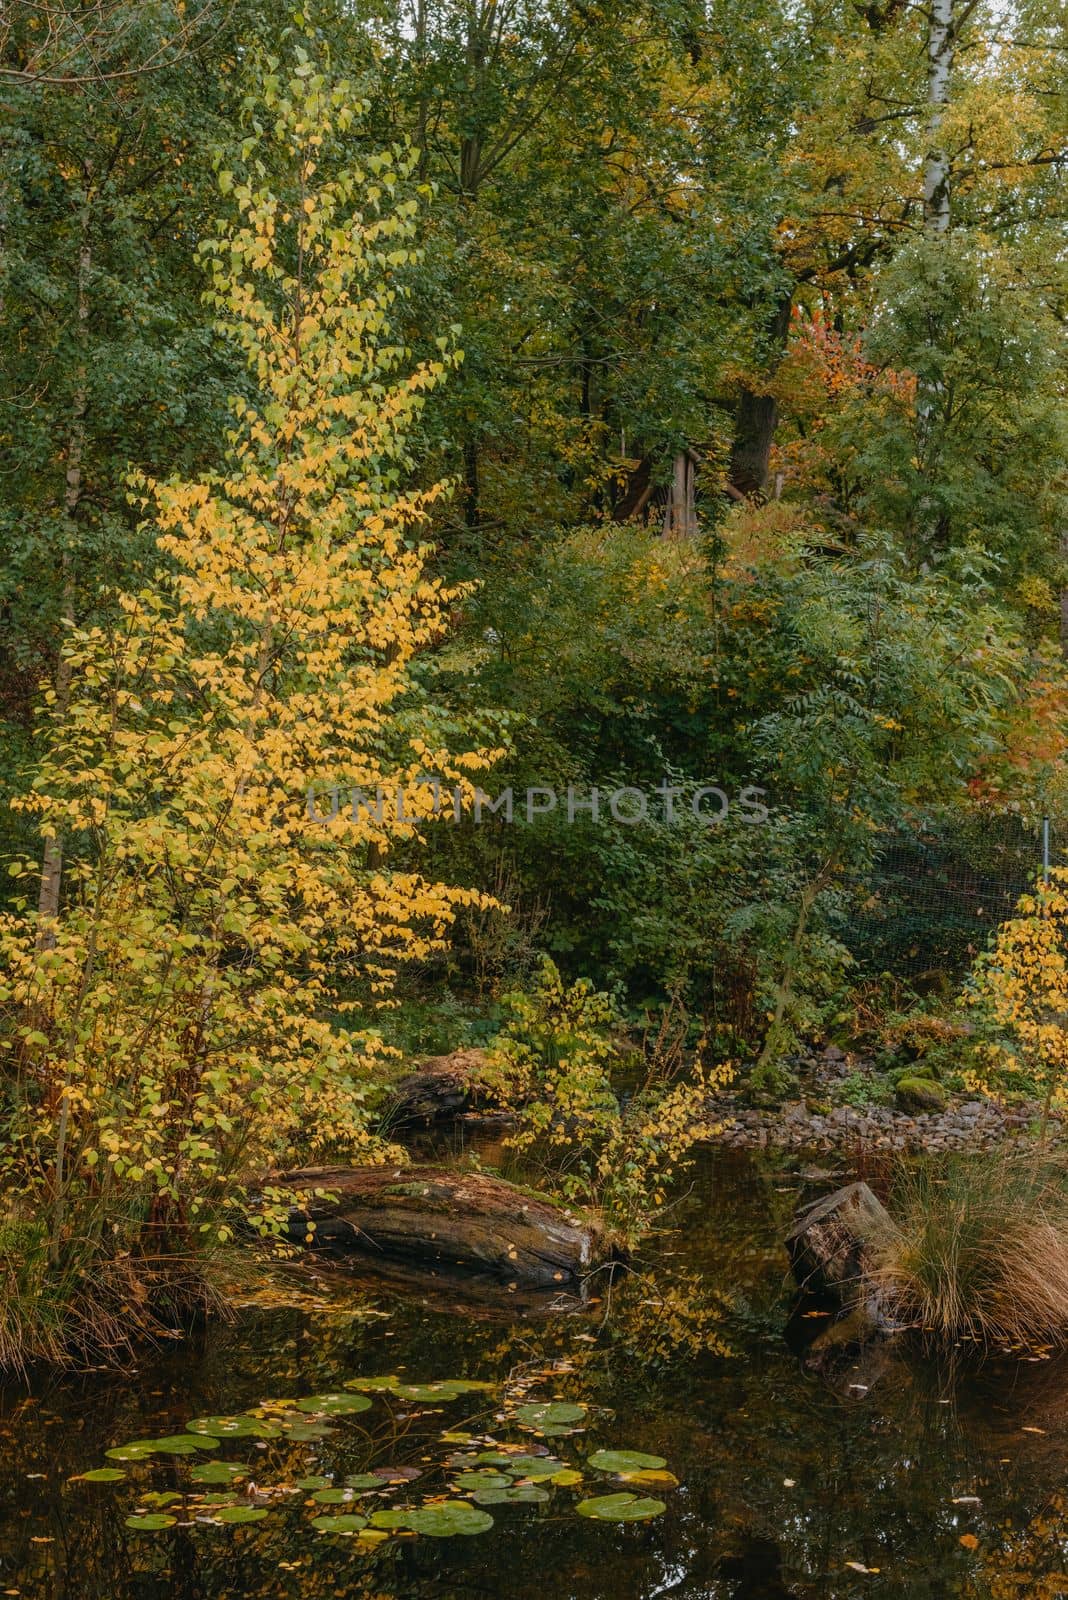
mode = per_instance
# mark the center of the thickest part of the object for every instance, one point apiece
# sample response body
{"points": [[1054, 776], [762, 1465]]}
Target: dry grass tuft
{"points": [[982, 1250]]}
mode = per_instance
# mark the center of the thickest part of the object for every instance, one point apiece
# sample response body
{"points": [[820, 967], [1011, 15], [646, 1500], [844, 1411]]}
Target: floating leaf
{"points": [[391, 1520], [482, 1480], [160, 1498], [241, 1514], [333, 1497], [217, 1472], [625, 1461], [534, 1466], [651, 1479], [517, 1494], [103, 1475], [178, 1444], [241, 1427], [335, 1405], [448, 1519], [305, 1430], [212, 1500], [566, 1479], [151, 1522], [364, 1480], [349, 1522], [445, 1389], [551, 1414], [620, 1508], [308, 1484]]}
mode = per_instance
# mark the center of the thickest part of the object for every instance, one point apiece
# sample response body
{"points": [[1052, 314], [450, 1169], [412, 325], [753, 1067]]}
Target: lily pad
{"points": [[308, 1484], [625, 1461], [151, 1522], [178, 1444], [363, 1480], [651, 1480], [103, 1475], [620, 1508], [305, 1430], [333, 1497], [448, 1519], [391, 1520], [240, 1427], [535, 1466], [211, 1501], [482, 1480], [551, 1414], [217, 1472], [443, 1390], [230, 1514], [335, 1405], [516, 1494], [349, 1522]]}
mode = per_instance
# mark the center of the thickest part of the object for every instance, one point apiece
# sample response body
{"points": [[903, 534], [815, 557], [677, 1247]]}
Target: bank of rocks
{"points": [[972, 1125]]}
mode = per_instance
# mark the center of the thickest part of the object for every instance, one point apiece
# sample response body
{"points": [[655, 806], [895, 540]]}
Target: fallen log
{"points": [[434, 1215], [441, 1088]]}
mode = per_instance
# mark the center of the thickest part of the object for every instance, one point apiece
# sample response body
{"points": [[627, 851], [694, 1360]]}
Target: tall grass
{"points": [[92, 1306], [981, 1251]]}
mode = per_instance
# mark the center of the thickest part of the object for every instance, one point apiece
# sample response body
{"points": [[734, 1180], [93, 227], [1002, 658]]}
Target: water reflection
{"points": [[793, 1488]]}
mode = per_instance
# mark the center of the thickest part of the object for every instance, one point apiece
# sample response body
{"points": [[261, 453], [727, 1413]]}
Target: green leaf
{"points": [[625, 1461], [349, 1522], [516, 1494], [103, 1475], [335, 1405], [240, 1427], [620, 1508], [151, 1522], [449, 1519], [217, 1472], [241, 1514], [482, 1480], [553, 1414]]}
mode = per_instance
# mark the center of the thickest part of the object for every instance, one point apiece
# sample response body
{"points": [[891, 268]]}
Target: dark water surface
{"points": [[785, 1478]]}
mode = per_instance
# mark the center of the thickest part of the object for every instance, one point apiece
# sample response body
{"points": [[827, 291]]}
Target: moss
{"points": [[920, 1094]]}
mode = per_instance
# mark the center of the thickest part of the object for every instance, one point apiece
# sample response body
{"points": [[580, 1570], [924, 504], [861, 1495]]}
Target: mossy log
{"points": [[438, 1089], [434, 1215]]}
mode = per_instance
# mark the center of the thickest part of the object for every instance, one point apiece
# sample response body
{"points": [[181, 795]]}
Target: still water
{"points": [[893, 1477]]}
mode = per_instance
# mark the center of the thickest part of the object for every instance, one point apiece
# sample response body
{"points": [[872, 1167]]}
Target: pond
{"points": [[899, 1477]]}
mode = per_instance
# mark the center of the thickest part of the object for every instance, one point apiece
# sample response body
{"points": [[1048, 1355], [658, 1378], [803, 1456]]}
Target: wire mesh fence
{"points": [[937, 892]]}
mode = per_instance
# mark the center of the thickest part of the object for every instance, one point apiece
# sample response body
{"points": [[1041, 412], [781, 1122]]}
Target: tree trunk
{"points": [[52, 859], [466, 1219], [757, 415], [941, 48], [680, 512], [835, 1243]]}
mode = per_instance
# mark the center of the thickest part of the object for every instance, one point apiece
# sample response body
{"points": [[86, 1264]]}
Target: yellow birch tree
{"points": [[176, 1030]]}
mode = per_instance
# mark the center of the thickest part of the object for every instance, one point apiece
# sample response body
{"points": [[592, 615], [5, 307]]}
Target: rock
{"points": [[440, 1088], [920, 1094], [470, 1219]]}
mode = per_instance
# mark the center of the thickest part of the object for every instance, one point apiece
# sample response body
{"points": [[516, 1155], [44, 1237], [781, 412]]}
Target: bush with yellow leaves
{"points": [[1021, 985], [168, 1030]]}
